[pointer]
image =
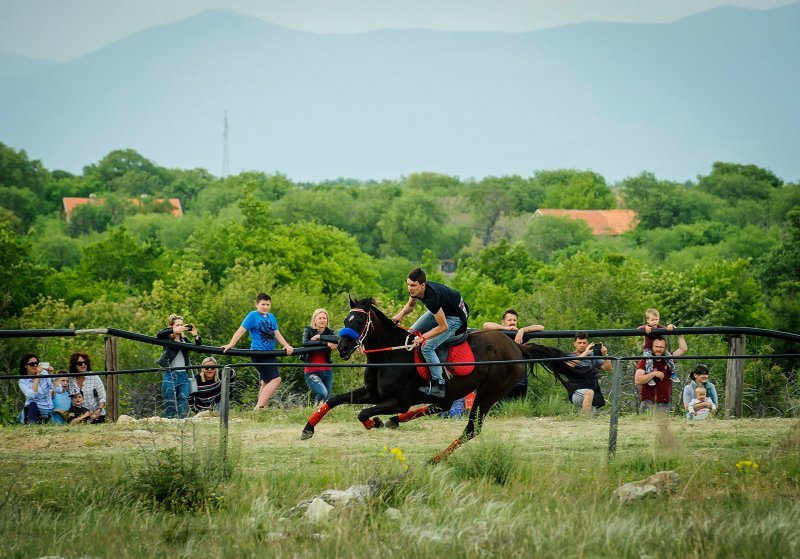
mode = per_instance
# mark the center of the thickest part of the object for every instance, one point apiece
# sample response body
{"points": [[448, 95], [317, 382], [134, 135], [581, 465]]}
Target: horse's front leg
{"points": [[395, 421], [366, 418], [357, 396]]}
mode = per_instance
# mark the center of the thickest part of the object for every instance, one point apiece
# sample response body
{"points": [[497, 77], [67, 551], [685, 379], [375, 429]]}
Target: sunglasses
{"points": [[80, 363], [32, 363], [209, 368]]}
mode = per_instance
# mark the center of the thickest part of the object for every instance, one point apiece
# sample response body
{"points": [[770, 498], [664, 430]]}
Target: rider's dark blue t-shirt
{"points": [[438, 296]]}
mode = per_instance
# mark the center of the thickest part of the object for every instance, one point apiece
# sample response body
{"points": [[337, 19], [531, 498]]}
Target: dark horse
{"points": [[394, 389]]}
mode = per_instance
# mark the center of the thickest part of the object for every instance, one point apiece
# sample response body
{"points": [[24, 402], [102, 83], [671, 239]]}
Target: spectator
{"points": [[77, 413], [209, 387], [89, 385], [61, 400], [445, 317], [38, 391], [651, 320], [583, 387], [657, 397], [699, 407], [318, 372], [175, 383], [510, 322], [263, 328], [699, 377]]}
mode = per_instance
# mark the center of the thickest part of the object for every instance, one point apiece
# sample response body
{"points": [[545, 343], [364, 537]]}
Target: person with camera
{"points": [[38, 390], [583, 388], [659, 396], [175, 384], [88, 384]]}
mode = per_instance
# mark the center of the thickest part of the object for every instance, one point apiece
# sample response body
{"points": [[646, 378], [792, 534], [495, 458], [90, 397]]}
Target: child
{"points": [[77, 413], [61, 401], [263, 328], [651, 319], [703, 412]]}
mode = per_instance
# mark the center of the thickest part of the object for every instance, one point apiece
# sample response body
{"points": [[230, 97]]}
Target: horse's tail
{"points": [[559, 369]]}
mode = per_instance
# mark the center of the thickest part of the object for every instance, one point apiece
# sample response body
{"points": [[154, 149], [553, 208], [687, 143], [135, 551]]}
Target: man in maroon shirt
{"points": [[657, 397]]}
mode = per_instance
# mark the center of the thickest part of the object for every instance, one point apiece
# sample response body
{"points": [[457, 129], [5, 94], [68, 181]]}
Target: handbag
{"points": [[192, 385]]}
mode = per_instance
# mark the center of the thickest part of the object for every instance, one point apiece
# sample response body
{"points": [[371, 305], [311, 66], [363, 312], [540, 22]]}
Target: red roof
{"points": [[601, 222], [71, 203]]}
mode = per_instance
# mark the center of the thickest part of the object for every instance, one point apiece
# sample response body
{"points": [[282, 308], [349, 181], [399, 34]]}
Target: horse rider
{"points": [[446, 316]]}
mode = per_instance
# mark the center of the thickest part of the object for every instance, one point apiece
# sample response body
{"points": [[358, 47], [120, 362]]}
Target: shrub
{"points": [[495, 461]]}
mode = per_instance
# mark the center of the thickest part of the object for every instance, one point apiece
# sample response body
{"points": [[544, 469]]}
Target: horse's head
{"points": [[357, 325]]}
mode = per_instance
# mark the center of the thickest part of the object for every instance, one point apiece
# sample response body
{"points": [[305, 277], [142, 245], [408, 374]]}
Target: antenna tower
{"points": [[226, 164]]}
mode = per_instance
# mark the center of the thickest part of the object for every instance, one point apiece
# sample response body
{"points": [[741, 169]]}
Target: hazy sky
{"points": [[66, 29]]}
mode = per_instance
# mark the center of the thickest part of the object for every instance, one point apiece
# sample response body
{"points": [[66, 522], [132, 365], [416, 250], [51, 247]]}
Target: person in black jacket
{"points": [[175, 385], [318, 372]]}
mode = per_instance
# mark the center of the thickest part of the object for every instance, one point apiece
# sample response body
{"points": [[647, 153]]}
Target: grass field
{"points": [[526, 487]]}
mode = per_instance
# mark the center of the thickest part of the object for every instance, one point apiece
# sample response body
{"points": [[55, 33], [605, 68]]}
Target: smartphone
{"points": [[44, 365], [598, 348]]}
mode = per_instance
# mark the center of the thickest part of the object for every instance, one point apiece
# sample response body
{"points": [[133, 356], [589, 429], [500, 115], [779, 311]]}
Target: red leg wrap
{"points": [[317, 416], [447, 452], [368, 423], [412, 414]]}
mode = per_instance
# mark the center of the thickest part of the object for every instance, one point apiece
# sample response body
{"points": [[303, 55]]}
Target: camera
{"points": [[189, 326], [598, 348]]}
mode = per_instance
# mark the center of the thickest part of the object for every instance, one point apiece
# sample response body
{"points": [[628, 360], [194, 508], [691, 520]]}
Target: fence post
{"points": [[224, 408], [112, 381], [616, 388], [734, 379]]}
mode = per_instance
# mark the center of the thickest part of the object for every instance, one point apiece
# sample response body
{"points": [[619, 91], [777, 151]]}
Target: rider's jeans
{"points": [[428, 322]]}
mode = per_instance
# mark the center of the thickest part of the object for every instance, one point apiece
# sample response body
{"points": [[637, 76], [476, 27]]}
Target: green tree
{"points": [[410, 225], [732, 181], [547, 235], [119, 257], [20, 279], [579, 190]]}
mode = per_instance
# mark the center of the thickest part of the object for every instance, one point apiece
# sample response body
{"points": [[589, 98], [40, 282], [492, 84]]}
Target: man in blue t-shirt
{"points": [[445, 317], [263, 328]]}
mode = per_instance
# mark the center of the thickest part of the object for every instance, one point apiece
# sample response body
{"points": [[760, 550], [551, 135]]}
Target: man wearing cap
{"points": [[699, 377], [657, 397]]}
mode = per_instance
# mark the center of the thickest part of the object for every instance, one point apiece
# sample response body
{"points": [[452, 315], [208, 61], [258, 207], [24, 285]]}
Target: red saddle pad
{"points": [[461, 353]]}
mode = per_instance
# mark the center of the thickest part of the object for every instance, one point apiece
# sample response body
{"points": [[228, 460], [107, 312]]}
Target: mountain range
{"points": [[615, 98]]}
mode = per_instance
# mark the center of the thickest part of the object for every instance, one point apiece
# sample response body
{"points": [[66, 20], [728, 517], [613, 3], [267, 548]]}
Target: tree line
{"points": [[719, 250]]}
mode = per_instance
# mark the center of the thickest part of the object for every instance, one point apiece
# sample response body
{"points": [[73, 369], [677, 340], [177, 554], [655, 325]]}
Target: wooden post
{"points": [[616, 387], [112, 381], [734, 379], [224, 409]]}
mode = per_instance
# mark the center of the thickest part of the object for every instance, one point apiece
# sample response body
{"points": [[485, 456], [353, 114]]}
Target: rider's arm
{"points": [[440, 328], [405, 310]]}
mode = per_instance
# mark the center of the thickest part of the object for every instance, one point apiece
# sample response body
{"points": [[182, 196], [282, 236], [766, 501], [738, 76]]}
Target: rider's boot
{"points": [[434, 389]]}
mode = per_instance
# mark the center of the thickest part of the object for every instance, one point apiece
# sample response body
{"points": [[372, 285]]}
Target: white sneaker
{"points": [[651, 382]]}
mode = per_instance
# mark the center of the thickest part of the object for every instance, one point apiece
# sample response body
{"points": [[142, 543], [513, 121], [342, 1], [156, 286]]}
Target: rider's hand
{"points": [[398, 318], [418, 341]]}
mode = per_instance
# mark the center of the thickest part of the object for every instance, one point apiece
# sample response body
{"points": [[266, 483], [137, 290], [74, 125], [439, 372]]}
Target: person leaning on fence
{"points": [[583, 387], [318, 370], [209, 387], [699, 377], [652, 320], [38, 391], [175, 383], [88, 384], [263, 328], [510, 322], [658, 369]]}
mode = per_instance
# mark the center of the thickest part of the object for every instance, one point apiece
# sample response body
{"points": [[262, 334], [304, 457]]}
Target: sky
{"points": [[66, 29]]}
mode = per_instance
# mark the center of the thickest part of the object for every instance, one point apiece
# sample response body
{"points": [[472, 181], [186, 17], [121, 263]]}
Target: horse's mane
{"points": [[368, 304]]}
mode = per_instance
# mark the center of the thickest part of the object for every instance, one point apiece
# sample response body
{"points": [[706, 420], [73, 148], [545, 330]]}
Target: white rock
{"points": [[126, 419], [393, 514], [318, 510], [355, 494], [660, 483], [142, 433]]}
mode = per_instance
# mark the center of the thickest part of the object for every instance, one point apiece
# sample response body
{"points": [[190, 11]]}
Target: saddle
{"points": [[455, 350]]}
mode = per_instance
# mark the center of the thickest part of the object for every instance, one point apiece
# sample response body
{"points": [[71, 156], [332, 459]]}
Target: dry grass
{"points": [[555, 503]]}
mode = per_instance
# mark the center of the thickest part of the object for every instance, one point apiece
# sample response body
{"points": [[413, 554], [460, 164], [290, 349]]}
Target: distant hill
{"points": [[615, 98], [16, 65]]}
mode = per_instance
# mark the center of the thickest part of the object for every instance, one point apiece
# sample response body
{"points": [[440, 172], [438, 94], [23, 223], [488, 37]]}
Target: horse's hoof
{"points": [[391, 423], [306, 435], [378, 423]]}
